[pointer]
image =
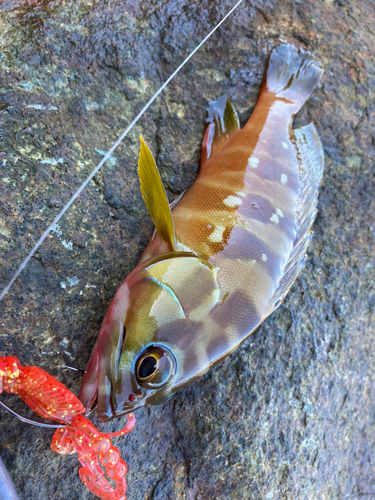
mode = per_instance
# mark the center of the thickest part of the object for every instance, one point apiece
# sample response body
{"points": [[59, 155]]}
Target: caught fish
{"points": [[224, 256]]}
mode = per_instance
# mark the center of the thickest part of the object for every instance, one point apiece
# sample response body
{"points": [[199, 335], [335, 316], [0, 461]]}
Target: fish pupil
{"points": [[147, 367]]}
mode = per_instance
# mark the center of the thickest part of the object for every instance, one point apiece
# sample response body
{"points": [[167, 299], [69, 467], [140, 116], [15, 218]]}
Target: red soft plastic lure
{"points": [[50, 399]]}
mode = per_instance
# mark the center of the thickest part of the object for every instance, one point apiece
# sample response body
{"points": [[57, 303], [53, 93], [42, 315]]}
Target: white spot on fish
{"points": [[284, 178], [274, 218], [209, 226], [264, 257], [285, 145], [253, 162], [242, 194], [217, 235], [264, 141], [279, 212], [63, 284], [232, 201]]}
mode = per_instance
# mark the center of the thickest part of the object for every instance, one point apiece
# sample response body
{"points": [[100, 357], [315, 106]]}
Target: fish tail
{"points": [[291, 73]]}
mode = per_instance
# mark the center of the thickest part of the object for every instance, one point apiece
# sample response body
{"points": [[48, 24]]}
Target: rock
{"points": [[79, 240], [55, 202], [290, 414]]}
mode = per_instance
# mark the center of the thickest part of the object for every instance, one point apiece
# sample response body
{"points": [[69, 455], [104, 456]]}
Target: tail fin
{"points": [[291, 73]]}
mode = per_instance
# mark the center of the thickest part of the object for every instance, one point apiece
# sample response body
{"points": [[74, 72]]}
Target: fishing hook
{"points": [[73, 369]]}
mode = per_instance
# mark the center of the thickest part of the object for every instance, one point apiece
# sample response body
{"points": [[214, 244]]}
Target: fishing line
{"points": [[107, 155], [28, 421]]}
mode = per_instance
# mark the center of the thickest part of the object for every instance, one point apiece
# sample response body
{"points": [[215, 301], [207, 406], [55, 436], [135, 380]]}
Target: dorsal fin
{"points": [[154, 195], [222, 123], [310, 152]]}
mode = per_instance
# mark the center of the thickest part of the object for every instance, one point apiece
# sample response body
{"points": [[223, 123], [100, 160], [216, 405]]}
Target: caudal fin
{"points": [[291, 73]]}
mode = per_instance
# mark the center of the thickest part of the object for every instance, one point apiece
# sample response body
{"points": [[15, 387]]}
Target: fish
{"points": [[223, 256]]}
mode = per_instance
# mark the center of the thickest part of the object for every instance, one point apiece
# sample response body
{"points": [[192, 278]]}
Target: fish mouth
{"points": [[100, 381]]}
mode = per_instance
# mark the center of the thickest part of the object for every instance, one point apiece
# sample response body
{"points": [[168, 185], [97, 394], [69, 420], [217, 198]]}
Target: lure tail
{"points": [[95, 452], [291, 74]]}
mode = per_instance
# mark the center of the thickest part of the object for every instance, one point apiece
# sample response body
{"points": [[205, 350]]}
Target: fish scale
{"points": [[226, 254]]}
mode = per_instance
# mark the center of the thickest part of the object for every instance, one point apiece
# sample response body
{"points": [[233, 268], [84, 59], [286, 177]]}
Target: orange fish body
{"points": [[226, 256]]}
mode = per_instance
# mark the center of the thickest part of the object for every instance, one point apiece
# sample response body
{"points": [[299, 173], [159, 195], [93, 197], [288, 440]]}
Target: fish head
{"points": [[147, 344]]}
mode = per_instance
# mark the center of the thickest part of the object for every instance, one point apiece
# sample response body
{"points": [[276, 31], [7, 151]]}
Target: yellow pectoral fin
{"points": [[154, 195]]}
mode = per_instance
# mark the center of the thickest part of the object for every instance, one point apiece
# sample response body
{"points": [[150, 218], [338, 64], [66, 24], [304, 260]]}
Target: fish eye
{"points": [[154, 368]]}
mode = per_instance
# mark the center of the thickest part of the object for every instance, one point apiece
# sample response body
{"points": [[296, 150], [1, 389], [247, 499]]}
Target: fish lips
{"points": [[103, 385]]}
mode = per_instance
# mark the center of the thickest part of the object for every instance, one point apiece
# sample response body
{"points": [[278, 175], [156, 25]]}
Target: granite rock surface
{"points": [[291, 413]]}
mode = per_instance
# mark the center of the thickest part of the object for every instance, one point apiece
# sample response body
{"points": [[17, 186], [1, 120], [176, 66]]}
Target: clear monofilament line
{"points": [[28, 421], [107, 155]]}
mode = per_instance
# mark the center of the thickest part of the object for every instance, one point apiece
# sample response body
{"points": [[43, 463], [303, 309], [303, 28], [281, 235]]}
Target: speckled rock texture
{"points": [[290, 414]]}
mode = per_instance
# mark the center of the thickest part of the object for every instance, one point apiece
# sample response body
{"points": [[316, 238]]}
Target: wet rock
{"points": [[79, 239], [55, 202], [290, 414]]}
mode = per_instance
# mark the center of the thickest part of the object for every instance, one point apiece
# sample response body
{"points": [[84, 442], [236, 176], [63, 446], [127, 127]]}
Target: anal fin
{"points": [[311, 160], [222, 123]]}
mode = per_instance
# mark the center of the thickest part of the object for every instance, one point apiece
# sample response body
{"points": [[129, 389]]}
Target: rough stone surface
{"points": [[290, 414]]}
